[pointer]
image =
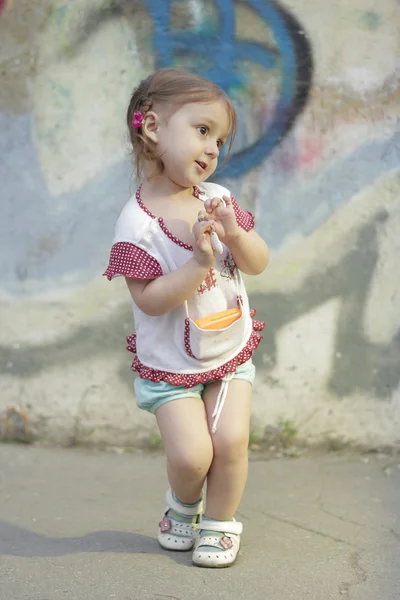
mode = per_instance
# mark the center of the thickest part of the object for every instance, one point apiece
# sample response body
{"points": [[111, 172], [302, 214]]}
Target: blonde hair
{"points": [[174, 88]]}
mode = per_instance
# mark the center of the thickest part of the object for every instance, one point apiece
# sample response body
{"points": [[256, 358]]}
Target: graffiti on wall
{"points": [[55, 235], [291, 56], [197, 45], [298, 186], [359, 364]]}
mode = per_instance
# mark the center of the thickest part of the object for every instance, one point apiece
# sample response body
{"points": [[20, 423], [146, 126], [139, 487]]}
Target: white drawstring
{"points": [[219, 405]]}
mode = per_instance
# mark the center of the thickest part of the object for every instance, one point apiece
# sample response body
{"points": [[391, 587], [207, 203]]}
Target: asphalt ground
{"points": [[78, 524]]}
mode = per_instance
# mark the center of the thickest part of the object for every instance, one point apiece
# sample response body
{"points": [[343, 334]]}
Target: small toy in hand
{"points": [[215, 243]]}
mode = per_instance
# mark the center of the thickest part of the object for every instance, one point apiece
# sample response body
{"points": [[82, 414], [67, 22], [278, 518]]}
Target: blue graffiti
{"points": [[291, 55]]}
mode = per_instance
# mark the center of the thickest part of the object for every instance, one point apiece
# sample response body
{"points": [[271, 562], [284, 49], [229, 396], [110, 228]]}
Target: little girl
{"points": [[181, 245]]}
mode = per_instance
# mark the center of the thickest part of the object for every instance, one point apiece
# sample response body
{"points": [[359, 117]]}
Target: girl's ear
{"points": [[151, 125]]}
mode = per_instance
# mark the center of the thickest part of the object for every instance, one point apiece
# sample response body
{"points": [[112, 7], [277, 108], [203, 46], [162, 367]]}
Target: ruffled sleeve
{"points": [[128, 260], [244, 218]]}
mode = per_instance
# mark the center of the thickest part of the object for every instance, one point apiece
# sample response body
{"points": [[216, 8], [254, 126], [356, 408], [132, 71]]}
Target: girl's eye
{"points": [[202, 129], [220, 143]]}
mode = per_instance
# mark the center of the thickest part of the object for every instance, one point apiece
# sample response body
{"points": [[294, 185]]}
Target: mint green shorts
{"points": [[150, 395]]}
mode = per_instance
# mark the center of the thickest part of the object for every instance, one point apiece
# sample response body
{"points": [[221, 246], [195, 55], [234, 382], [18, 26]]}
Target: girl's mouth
{"points": [[201, 164]]}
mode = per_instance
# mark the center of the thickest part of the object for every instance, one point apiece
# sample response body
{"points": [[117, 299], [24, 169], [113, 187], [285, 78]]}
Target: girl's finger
{"points": [[208, 224], [204, 243], [202, 227], [212, 204], [208, 206], [228, 200], [205, 226]]}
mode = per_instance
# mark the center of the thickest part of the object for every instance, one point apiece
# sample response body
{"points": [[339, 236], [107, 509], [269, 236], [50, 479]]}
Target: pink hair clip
{"points": [[138, 120]]}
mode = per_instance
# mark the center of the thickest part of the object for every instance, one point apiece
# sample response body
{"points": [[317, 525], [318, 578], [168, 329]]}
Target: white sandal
{"points": [[229, 544], [177, 535]]}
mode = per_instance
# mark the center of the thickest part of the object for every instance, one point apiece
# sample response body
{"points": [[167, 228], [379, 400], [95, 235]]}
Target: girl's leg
{"points": [[228, 472], [188, 446]]}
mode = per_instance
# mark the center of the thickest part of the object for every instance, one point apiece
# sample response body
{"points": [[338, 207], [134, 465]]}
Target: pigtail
{"points": [[142, 149]]}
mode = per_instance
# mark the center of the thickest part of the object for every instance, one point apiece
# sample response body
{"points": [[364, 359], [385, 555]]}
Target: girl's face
{"points": [[189, 142]]}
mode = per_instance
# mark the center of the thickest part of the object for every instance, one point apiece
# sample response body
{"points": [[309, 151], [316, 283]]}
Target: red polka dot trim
{"points": [[130, 261], [192, 379], [142, 206], [131, 341], [172, 237], [197, 192], [187, 339], [244, 218], [257, 325], [161, 222]]}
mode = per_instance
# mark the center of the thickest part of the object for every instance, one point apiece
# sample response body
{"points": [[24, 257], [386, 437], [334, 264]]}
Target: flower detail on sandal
{"points": [[165, 524], [226, 542], [179, 535], [214, 550]]}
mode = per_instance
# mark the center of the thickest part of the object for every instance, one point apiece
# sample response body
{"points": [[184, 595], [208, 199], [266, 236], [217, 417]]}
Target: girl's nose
{"points": [[212, 151]]}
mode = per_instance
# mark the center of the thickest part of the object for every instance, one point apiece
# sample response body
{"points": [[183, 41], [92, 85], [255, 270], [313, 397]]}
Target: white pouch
{"points": [[209, 344]]}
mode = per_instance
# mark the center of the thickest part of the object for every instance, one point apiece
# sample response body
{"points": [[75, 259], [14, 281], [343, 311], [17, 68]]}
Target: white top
{"points": [[171, 343]]}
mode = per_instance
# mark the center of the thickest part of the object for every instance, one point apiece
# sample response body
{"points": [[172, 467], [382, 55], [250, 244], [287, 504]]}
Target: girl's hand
{"points": [[224, 218], [202, 248]]}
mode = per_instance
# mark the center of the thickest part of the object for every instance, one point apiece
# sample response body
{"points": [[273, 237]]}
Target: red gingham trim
{"points": [[161, 222], [130, 261], [192, 379]]}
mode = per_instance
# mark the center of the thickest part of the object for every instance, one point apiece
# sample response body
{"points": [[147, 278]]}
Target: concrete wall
{"points": [[317, 159]]}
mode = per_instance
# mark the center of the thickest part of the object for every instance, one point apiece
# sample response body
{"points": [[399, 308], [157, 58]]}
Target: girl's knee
{"points": [[231, 446], [193, 462]]}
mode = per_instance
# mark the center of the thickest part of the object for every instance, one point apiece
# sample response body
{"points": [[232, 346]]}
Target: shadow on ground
{"points": [[18, 541]]}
